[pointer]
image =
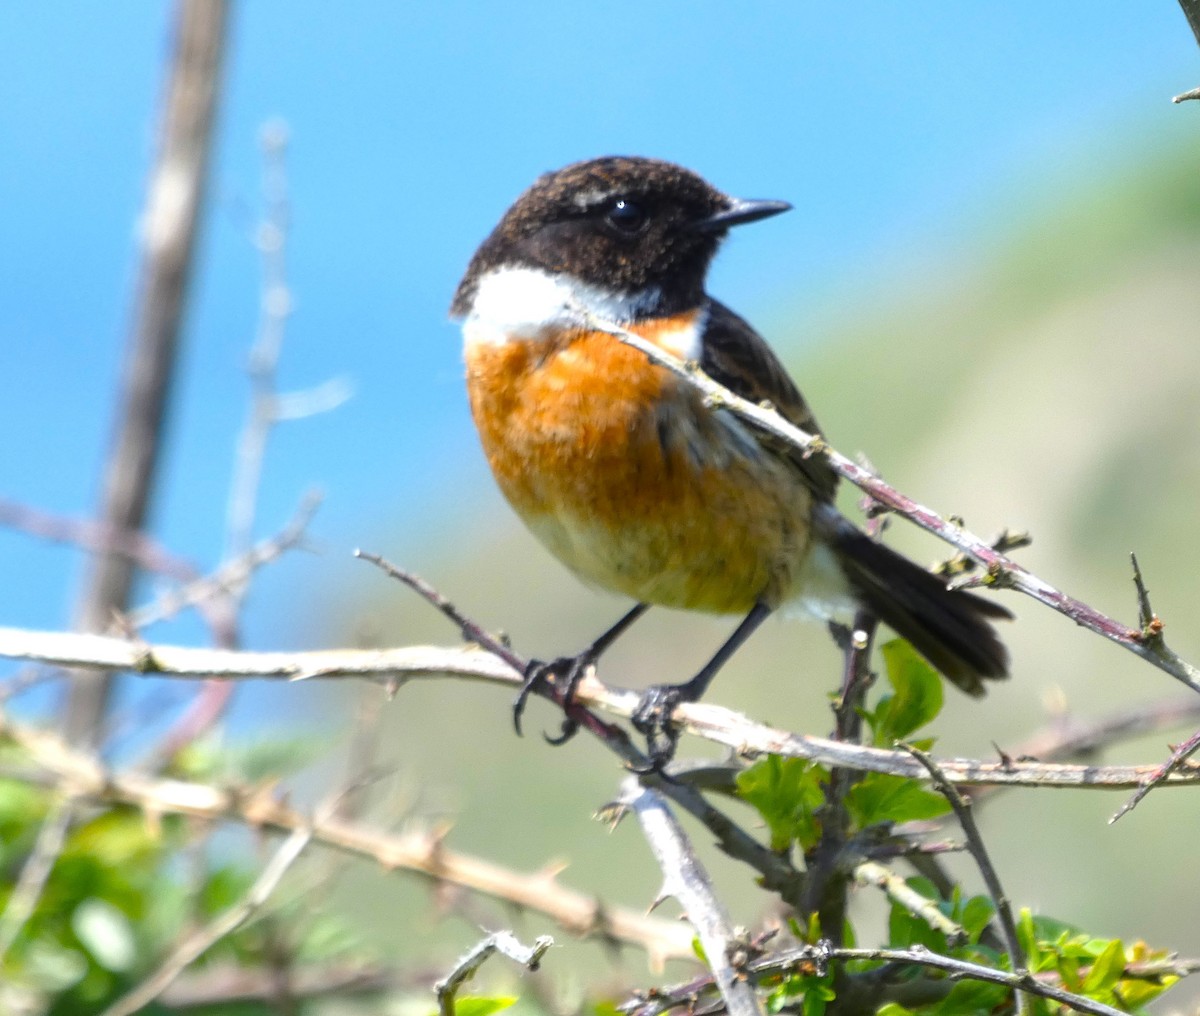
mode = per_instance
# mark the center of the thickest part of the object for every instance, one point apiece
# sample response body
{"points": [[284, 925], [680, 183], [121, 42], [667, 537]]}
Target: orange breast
{"points": [[621, 471]]}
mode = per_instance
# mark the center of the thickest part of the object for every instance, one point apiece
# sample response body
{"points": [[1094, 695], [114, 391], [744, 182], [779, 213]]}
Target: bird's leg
{"points": [[653, 714], [571, 669]]}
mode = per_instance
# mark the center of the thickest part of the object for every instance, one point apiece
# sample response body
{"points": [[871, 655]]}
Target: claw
{"points": [[572, 670], [652, 718], [565, 733], [535, 676]]}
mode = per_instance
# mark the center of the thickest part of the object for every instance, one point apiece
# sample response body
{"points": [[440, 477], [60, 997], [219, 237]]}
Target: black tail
{"points": [[950, 628]]}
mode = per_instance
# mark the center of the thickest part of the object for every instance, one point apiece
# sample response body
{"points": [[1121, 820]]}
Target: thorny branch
{"points": [[81, 775], [817, 958], [685, 879], [392, 666], [978, 850], [503, 942]]}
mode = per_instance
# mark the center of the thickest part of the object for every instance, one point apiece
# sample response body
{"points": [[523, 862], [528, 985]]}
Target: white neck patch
{"points": [[524, 303]]}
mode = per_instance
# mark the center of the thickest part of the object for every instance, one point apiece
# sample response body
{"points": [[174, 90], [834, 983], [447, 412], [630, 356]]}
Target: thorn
{"points": [[550, 871]]}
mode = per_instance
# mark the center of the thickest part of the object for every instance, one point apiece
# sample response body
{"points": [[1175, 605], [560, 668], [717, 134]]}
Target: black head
{"points": [[620, 223]]}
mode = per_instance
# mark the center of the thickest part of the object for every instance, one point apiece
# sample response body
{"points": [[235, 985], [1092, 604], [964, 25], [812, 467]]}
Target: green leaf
{"points": [[916, 698], [482, 1005], [972, 997], [976, 915], [1027, 936], [786, 792], [878, 797], [1106, 971], [1137, 993]]}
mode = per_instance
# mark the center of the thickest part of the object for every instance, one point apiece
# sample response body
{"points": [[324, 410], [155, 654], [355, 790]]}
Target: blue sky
{"points": [[891, 127]]}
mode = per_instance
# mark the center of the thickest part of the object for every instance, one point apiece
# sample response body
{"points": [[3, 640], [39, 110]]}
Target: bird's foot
{"points": [[652, 719], [570, 670]]}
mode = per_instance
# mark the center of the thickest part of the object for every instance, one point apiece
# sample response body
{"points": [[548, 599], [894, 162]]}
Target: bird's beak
{"points": [[739, 211]]}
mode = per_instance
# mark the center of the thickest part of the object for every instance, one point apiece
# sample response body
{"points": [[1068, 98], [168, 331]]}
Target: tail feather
{"points": [[949, 627]]}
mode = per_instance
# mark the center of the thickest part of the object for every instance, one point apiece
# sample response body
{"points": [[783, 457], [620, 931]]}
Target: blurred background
{"points": [[987, 287]]}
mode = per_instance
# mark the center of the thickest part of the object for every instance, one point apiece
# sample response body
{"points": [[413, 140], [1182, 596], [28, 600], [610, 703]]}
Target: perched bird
{"points": [[620, 469]]}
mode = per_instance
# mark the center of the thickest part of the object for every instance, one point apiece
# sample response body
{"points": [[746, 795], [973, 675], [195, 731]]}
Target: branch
{"points": [[35, 873], [170, 224], [920, 956], [391, 667], [897, 889], [503, 942], [1066, 737], [685, 879], [978, 850], [96, 537], [682, 785], [231, 574], [82, 775], [816, 959], [826, 893], [1179, 757]]}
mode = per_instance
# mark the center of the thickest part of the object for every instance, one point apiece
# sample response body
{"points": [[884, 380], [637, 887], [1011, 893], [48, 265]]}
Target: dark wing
{"points": [[740, 359]]}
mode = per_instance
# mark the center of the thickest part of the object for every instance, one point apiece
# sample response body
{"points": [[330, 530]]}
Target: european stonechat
{"points": [[620, 469]]}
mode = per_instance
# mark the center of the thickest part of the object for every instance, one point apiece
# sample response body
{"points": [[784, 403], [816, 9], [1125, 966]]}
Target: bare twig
{"points": [[231, 575], [897, 889], [169, 228], [1067, 737], [816, 959], [26, 678], [503, 942], [978, 850], [1152, 636], [1002, 571], [611, 735], [275, 306], [198, 943], [920, 956], [97, 537], [685, 879], [143, 552], [1179, 756], [35, 872], [82, 775], [777, 872], [712, 722], [826, 892]]}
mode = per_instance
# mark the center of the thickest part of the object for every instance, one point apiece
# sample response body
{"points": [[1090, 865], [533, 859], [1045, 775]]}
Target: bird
{"points": [[621, 469]]}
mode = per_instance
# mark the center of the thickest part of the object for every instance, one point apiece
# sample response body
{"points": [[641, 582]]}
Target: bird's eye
{"points": [[625, 216]]}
